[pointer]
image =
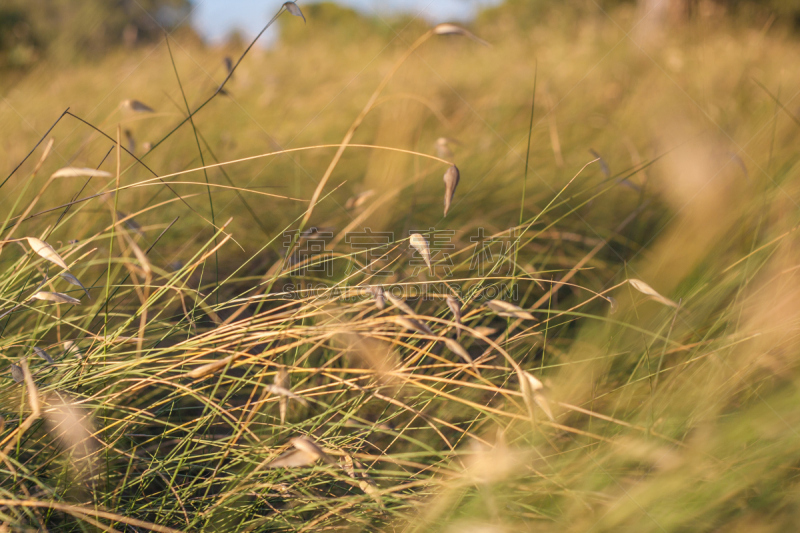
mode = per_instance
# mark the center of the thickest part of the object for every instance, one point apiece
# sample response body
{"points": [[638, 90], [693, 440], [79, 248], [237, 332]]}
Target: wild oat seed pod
{"points": [[451, 179]]}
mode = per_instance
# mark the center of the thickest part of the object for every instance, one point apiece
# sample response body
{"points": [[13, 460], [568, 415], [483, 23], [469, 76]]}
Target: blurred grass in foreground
{"points": [[165, 406]]}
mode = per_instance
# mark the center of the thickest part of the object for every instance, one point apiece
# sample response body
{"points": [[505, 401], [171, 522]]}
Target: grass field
{"points": [[260, 345]]}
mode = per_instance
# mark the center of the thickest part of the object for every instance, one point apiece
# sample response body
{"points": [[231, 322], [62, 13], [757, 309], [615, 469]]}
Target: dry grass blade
{"points": [[72, 280], [358, 199], [452, 29], [292, 8], [84, 513], [282, 381], [451, 179], [378, 294], [43, 354], [46, 251], [531, 389], [136, 106], [455, 307], [419, 243], [646, 289], [119, 339], [508, 310], [457, 349], [17, 373], [74, 172], [56, 297]]}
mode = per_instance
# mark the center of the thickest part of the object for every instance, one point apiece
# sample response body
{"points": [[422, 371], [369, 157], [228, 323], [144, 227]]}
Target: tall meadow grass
{"points": [[280, 326]]}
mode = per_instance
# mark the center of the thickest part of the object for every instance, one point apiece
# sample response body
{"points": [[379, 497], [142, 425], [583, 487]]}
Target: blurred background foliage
{"points": [[72, 30], [33, 29]]}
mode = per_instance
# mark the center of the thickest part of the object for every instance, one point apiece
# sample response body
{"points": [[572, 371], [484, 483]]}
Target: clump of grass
{"points": [[278, 392]]}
